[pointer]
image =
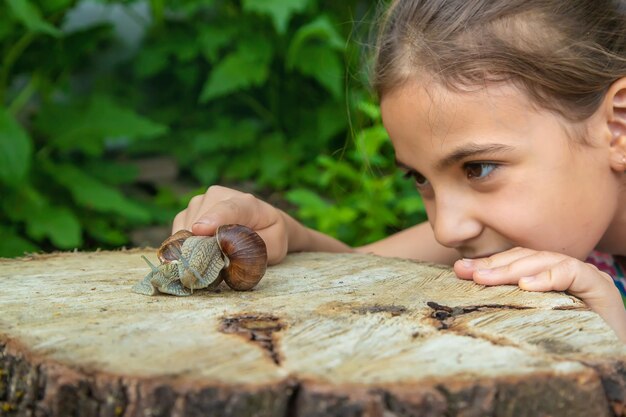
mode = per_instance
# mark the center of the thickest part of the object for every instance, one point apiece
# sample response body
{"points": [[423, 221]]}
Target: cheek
{"points": [[561, 213], [430, 207]]}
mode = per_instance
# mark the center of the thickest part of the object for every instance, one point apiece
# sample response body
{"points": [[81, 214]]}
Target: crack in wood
{"points": [[570, 308], [446, 314], [257, 328], [395, 310]]}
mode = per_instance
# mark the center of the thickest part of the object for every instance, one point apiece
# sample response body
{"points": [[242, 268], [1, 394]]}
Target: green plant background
{"points": [[266, 96]]}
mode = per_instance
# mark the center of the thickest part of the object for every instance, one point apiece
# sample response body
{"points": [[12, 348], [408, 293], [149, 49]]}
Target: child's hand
{"points": [[548, 271], [221, 205]]}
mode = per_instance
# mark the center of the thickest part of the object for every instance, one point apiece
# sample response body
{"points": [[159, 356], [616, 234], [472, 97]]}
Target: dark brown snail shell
{"points": [[171, 247], [245, 254]]}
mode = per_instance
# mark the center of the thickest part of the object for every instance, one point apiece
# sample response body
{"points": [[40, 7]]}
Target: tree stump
{"points": [[321, 335]]}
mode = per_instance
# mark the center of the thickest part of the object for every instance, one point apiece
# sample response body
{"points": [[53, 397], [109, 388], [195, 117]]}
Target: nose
{"points": [[454, 221]]}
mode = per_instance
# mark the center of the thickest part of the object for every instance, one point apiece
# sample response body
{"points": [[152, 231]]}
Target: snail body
{"points": [[204, 263], [236, 255]]}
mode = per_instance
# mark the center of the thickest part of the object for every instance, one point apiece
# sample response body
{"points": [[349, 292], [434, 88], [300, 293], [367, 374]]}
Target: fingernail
{"points": [[527, 280], [467, 262], [484, 272], [203, 224]]}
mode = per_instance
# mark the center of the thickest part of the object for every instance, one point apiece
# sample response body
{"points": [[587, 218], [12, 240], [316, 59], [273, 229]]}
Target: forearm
{"points": [[304, 239], [417, 242]]}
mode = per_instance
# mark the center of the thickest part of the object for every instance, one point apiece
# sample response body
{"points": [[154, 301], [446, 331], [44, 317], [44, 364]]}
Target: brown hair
{"points": [[563, 53]]}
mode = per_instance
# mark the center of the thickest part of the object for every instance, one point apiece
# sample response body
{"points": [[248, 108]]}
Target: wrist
{"points": [[296, 233], [304, 239]]}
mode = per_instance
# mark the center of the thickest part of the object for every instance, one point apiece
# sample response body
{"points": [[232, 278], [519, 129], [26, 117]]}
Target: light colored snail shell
{"points": [[245, 255], [171, 248]]}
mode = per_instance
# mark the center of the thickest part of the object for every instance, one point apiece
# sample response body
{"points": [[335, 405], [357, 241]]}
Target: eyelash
{"points": [[417, 177], [481, 165]]}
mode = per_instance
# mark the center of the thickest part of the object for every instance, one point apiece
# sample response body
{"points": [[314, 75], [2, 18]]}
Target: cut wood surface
{"points": [[321, 335]]}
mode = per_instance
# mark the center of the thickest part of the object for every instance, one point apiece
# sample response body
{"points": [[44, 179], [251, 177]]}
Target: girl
{"points": [[510, 116]]}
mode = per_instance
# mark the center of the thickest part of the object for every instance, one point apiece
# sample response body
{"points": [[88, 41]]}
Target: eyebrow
{"points": [[472, 149], [404, 166], [463, 152]]}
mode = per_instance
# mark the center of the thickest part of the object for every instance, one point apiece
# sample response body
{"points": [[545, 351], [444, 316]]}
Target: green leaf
{"points": [[330, 221], [87, 128], [371, 110], [370, 140], [331, 120], [16, 149], [54, 6], [102, 231], [12, 245], [207, 171], [92, 194], [57, 223], [151, 60], [410, 205], [313, 52], [309, 202], [323, 65], [274, 159], [321, 32], [30, 16], [112, 172], [213, 38], [280, 11], [246, 67], [7, 25], [42, 219], [228, 134]]}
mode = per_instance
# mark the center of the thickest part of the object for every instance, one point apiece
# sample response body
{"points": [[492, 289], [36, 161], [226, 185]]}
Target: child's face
{"points": [[496, 172]]}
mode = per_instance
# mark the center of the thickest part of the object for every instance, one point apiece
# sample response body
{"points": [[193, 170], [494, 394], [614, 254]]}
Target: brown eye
{"points": [[478, 170], [419, 179]]}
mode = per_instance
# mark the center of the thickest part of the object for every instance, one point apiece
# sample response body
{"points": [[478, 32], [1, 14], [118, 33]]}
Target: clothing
{"points": [[609, 264]]}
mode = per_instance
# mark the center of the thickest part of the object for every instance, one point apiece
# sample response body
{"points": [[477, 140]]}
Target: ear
{"points": [[615, 100]]}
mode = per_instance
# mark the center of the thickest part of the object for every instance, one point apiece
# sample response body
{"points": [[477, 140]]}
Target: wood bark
{"points": [[321, 335]]}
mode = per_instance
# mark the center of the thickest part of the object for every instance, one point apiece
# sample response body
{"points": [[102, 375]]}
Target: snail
{"points": [[236, 255]]}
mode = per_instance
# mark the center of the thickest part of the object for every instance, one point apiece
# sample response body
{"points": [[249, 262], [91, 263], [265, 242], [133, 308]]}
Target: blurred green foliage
{"points": [[264, 92]]}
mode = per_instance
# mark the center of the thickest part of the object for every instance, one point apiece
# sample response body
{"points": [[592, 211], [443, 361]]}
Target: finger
{"points": [[525, 266], [465, 268], [179, 221], [578, 278], [201, 204], [248, 211], [194, 207], [243, 209], [184, 219], [222, 212]]}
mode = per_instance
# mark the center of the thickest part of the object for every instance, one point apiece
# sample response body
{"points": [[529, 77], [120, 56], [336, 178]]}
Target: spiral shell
{"points": [[245, 255], [171, 248]]}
